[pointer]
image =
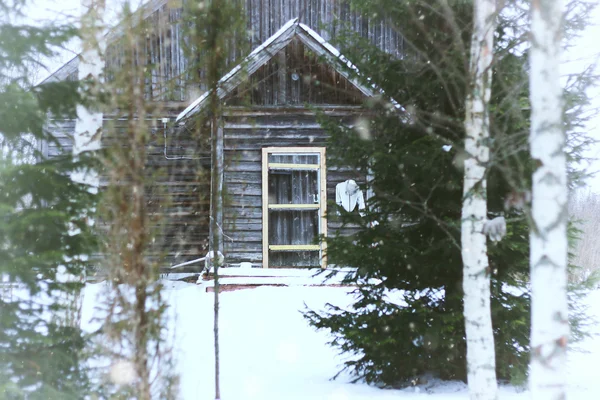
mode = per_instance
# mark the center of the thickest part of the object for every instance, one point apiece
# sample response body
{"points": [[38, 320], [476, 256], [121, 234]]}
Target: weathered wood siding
{"points": [[177, 189], [295, 76], [246, 133], [326, 17], [171, 69], [179, 193], [62, 131], [161, 48]]}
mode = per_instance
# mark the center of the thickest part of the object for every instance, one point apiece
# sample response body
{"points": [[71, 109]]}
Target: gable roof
{"points": [[113, 33], [265, 52]]}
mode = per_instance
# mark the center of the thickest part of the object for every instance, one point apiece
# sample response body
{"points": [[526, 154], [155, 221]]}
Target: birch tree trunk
{"points": [[88, 126], [481, 357], [548, 237]]}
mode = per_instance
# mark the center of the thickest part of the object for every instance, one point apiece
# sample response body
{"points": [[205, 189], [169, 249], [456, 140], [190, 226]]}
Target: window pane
{"points": [[293, 187], [294, 158], [293, 227]]}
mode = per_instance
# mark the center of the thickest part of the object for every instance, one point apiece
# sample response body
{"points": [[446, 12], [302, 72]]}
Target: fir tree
{"points": [[45, 234], [407, 318]]}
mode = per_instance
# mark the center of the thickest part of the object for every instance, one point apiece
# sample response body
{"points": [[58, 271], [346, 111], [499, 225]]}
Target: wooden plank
{"points": [[244, 189], [242, 212], [242, 245], [232, 156], [252, 63], [250, 256], [295, 247], [326, 109], [303, 167], [235, 167], [294, 206], [245, 201], [239, 227], [256, 220], [244, 236], [300, 135], [249, 145], [277, 150], [290, 120], [242, 177], [256, 126]]}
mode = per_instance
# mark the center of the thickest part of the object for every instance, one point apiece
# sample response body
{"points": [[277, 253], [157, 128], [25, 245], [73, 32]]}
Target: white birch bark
{"points": [[88, 126], [548, 237], [481, 357]]}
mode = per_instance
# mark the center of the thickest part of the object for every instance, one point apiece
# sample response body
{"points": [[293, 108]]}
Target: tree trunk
{"points": [[216, 227], [481, 358], [548, 237], [215, 63], [88, 126]]}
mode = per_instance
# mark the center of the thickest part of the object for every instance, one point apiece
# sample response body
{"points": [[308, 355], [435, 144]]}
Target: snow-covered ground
{"points": [[269, 352]]}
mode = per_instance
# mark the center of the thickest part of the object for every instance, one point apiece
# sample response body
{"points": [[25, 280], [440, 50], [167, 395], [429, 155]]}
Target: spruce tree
{"points": [[45, 234], [407, 319]]}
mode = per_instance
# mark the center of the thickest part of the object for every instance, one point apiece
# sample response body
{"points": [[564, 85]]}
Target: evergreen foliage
{"points": [[45, 234], [407, 319]]}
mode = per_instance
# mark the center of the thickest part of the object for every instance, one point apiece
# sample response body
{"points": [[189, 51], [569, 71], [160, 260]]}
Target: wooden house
{"points": [[277, 181]]}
